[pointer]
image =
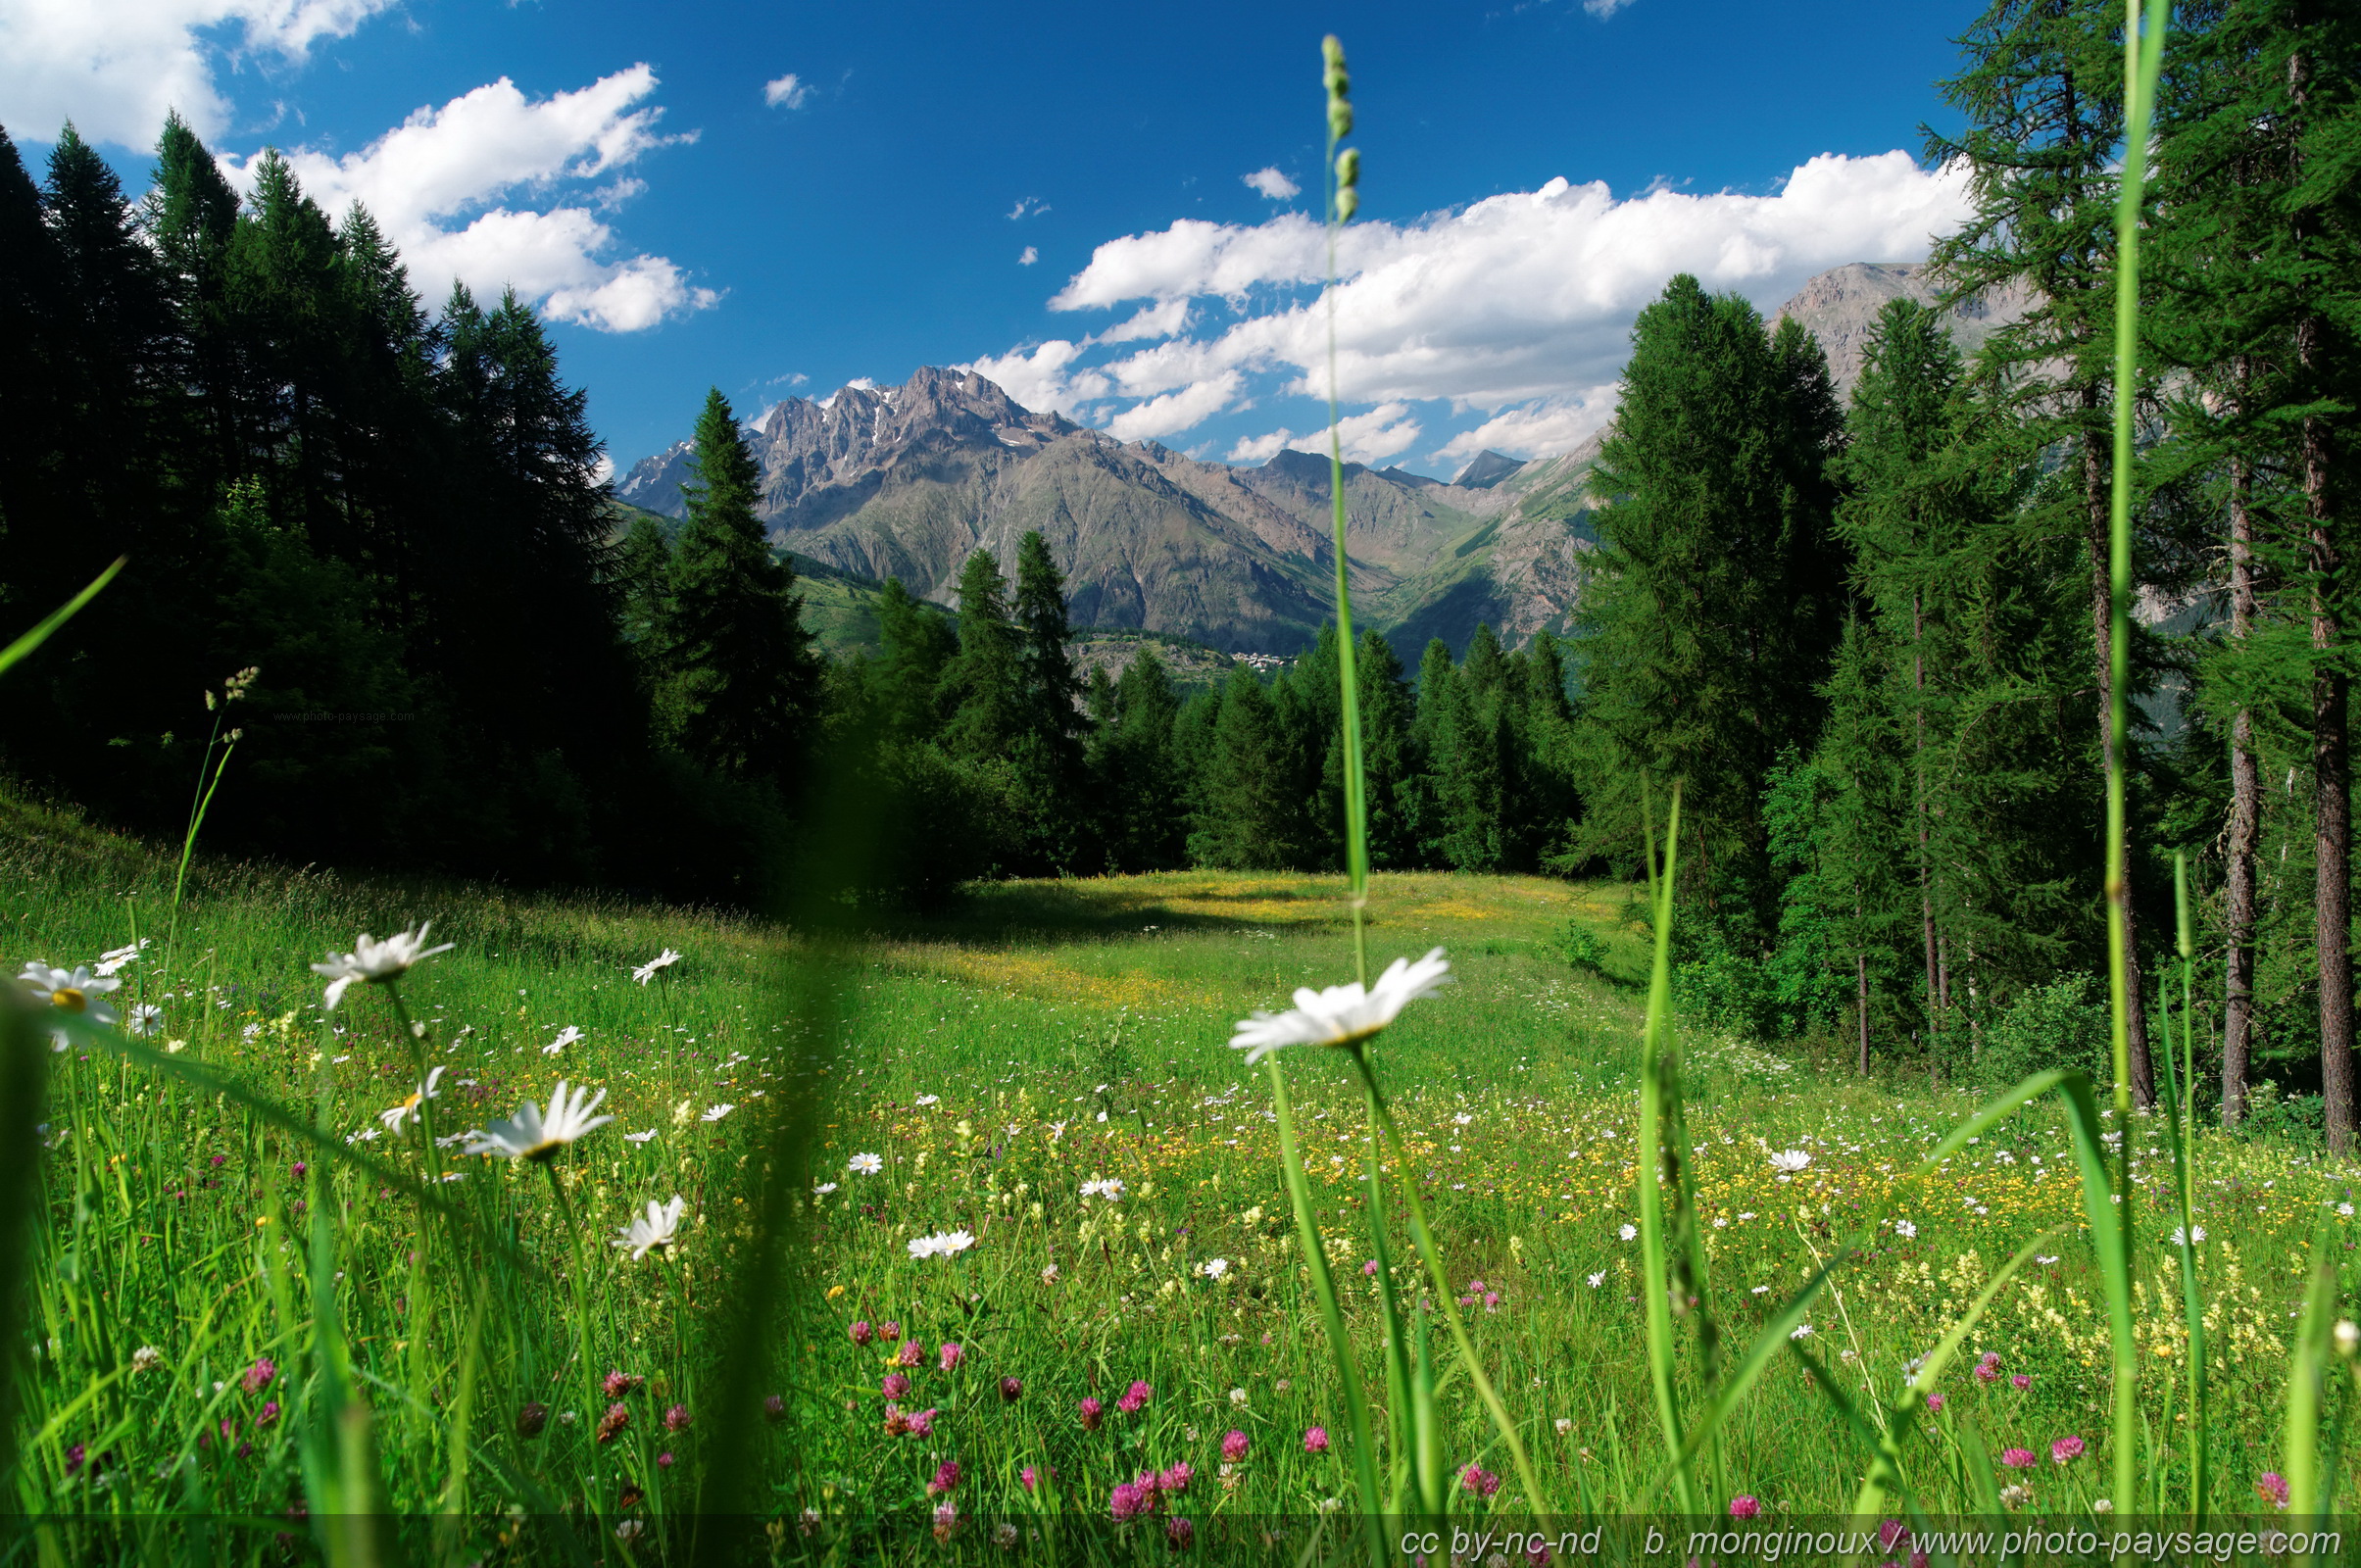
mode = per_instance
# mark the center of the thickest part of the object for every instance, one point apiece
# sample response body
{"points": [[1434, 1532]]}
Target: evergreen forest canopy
{"points": [[1869, 641]]}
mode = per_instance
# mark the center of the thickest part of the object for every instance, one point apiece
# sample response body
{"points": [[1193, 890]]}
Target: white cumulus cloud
{"points": [[1518, 306], [114, 66], [790, 91], [1603, 9], [443, 181], [1028, 257], [1270, 182]]}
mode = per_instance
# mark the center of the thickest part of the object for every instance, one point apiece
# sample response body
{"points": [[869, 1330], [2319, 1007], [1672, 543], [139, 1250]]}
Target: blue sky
{"points": [[683, 222]]}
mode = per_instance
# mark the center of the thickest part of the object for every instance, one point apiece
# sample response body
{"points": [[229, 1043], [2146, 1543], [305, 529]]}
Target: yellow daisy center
{"points": [[69, 998]]}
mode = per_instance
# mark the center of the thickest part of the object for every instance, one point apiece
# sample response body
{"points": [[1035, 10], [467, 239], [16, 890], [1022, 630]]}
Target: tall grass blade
{"points": [[24, 646], [1887, 1472], [2142, 57], [1331, 1317], [24, 1090], [2180, 1128], [1656, 1284], [1765, 1346], [2307, 1369]]}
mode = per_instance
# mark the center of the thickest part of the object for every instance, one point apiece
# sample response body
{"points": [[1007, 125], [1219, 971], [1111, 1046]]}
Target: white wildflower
{"points": [[655, 967], [376, 961], [527, 1134], [1342, 1016], [654, 1231], [865, 1165]]}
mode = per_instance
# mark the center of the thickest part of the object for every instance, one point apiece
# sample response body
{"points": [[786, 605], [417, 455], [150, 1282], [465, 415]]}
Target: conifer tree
{"points": [[1391, 758], [1139, 773], [983, 685], [1715, 605], [2041, 93], [740, 662], [1248, 816], [2256, 171], [1048, 760], [907, 676]]}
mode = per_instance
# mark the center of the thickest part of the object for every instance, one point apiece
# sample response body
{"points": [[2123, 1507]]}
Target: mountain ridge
{"points": [[908, 481]]}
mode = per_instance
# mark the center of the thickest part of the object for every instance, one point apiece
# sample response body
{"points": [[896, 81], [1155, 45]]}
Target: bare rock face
{"points": [[1841, 306]]}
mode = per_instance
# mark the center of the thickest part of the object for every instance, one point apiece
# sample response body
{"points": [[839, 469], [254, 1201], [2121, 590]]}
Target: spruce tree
{"points": [[741, 666]]}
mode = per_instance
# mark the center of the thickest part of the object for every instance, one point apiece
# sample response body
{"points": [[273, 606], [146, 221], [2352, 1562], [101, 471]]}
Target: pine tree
{"points": [[983, 685], [740, 661], [1391, 758], [2043, 95], [1249, 817], [1142, 809], [35, 411], [1717, 600], [1049, 756], [919, 643], [2257, 169]]}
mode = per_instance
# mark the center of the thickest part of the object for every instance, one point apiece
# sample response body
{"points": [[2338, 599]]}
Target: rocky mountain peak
{"points": [[1840, 307], [1485, 469]]}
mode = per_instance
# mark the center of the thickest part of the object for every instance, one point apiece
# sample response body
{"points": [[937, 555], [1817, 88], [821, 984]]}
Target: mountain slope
{"points": [[908, 481]]}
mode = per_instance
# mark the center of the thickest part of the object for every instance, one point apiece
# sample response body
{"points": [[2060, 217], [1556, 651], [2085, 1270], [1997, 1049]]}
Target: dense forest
{"points": [[1868, 640]]}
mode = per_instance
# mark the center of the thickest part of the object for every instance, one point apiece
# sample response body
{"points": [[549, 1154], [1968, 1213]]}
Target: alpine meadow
{"points": [[1764, 971]]}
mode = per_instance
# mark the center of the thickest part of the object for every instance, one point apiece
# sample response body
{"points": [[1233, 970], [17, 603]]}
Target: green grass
{"points": [[1065, 1032]]}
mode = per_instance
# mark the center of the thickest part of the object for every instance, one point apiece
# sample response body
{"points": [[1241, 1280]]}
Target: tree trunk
{"points": [[2331, 783], [2245, 817], [2096, 493], [2332, 763], [1860, 970], [1925, 887]]}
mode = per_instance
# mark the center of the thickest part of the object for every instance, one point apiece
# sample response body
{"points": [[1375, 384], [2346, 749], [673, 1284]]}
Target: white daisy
{"points": [[114, 958], [823, 1189], [411, 1109], [652, 1231], [527, 1134], [1215, 1268], [1629, 1232], [75, 991], [1905, 1230], [716, 1112], [146, 1019], [927, 1100], [655, 967], [1788, 1162], [2195, 1234], [566, 1036], [1342, 1016], [1109, 1188], [951, 1243], [1803, 1331], [376, 961], [865, 1165], [1597, 1279], [639, 1138]]}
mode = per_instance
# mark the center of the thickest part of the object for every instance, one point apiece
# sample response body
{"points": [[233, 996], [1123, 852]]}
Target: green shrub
{"points": [[1582, 948], [2062, 1024]]}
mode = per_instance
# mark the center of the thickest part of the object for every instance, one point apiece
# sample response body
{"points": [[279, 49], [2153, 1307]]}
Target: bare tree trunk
{"points": [[1860, 972], [2332, 784], [1926, 884], [2245, 816], [2096, 491]]}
